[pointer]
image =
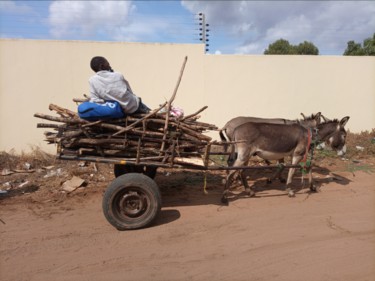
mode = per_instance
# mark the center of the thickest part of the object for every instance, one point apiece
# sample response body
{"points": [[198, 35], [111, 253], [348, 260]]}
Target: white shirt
{"points": [[106, 85]]}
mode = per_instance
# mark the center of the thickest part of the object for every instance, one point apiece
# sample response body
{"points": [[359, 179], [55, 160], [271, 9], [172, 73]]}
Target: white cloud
{"points": [[15, 8], [137, 29], [111, 20], [256, 24], [86, 18]]}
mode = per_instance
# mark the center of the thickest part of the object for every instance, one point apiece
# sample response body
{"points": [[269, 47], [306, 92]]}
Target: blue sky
{"points": [[236, 27]]}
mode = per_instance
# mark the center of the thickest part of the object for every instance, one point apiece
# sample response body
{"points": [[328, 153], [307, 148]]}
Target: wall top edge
{"points": [[100, 42]]}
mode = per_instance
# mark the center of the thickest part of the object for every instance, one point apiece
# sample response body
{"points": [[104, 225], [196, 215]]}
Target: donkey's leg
{"points": [[295, 161], [248, 188], [232, 155], [229, 180], [281, 162], [278, 173], [311, 182], [244, 154], [243, 175], [242, 159]]}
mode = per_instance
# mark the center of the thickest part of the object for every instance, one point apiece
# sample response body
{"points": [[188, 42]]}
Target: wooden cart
{"points": [[137, 145]]}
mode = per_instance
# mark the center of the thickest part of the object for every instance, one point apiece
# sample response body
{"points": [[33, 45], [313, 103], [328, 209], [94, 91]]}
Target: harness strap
{"points": [[308, 145]]}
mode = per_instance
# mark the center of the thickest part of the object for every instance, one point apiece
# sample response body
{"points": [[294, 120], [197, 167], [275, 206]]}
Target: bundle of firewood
{"points": [[143, 138], [155, 137]]}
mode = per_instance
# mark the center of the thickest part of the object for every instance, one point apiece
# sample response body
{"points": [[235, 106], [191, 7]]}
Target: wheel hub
{"points": [[132, 204]]}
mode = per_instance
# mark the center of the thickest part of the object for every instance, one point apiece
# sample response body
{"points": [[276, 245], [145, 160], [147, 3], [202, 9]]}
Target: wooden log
{"points": [[170, 103], [194, 133], [44, 125], [194, 114], [81, 99], [62, 111], [72, 134], [60, 119], [77, 121], [140, 120]]}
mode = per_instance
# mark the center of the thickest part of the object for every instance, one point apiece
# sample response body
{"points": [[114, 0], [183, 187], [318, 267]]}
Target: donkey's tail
{"points": [[224, 138]]}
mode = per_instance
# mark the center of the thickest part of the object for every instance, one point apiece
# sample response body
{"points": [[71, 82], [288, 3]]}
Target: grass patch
{"points": [[353, 167]]}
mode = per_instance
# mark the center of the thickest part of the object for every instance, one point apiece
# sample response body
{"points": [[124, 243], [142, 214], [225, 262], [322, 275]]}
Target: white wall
{"points": [[35, 73]]}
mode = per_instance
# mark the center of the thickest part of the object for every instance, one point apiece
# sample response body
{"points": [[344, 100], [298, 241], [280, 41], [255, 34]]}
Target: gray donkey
{"points": [[276, 141], [310, 122]]}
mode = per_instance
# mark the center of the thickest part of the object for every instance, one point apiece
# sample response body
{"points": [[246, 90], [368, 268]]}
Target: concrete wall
{"points": [[35, 73]]}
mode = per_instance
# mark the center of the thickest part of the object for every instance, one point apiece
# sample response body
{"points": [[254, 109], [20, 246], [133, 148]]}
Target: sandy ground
{"points": [[328, 235]]}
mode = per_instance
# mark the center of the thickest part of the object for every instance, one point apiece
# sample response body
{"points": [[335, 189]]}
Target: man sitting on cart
{"points": [[107, 85]]}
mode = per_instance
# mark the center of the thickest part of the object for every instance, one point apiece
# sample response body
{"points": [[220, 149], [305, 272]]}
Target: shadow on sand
{"points": [[185, 188]]}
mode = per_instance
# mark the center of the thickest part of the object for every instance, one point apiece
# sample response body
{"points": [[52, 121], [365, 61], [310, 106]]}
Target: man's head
{"points": [[100, 63]]}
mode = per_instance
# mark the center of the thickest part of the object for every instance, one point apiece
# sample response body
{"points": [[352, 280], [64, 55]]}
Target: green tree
{"points": [[369, 46], [279, 47], [283, 47], [356, 49], [307, 48]]}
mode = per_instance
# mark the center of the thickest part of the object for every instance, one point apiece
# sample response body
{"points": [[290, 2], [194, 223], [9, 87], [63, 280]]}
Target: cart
{"points": [[137, 146]]}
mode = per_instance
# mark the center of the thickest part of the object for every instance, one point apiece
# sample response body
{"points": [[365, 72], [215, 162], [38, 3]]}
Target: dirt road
{"points": [[328, 235]]}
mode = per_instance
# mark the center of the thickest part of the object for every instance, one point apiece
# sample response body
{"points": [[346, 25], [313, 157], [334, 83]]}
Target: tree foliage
{"points": [[283, 47], [356, 49]]}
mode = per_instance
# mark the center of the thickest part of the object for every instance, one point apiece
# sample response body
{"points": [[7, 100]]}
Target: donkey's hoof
{"points": [[313, 188], [250, 192], [224, 200], [269, 181], [291, 193]]}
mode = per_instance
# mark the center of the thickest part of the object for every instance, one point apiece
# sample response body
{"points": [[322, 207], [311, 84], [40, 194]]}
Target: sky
{"points": [[235, 27]]}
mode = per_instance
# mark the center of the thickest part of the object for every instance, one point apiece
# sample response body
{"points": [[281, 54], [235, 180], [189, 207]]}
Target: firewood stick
{"points": [[170, 103], [139, 121], [44, 125], [80, 99], [138, 151], [92, 123], [104, 142], [62, 111], [60, 119], [72, 134], [194, 114], [194, 133], [76, 121]]}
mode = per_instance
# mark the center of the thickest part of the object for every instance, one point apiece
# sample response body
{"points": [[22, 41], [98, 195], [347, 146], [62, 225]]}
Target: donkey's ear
{"points": [[325, 119], [303, 115], [344, 121], [317, 117]]}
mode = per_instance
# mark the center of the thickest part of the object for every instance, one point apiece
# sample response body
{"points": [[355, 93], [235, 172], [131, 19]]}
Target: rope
{"points": [[205, 183], [306, 161]]}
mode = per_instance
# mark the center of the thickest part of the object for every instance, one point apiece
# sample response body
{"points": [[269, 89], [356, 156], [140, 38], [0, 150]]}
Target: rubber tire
{"points": [[128, 185], [126, 169]]}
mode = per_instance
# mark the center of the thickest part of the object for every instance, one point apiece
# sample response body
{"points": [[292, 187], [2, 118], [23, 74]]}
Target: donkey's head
{"points": [[310, 121], [333, 134]]}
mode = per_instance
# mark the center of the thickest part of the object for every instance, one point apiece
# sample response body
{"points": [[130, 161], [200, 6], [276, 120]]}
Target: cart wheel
{"points": [[131, 201], [126, 169]]}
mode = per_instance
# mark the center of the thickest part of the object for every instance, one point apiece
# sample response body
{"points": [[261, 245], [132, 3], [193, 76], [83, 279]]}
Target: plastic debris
{"points": [[27, 166], [72, 184], [52, 173], [23, 184], [6, 172]]}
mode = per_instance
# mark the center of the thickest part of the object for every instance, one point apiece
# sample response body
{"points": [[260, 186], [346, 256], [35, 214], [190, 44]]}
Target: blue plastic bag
{"points": [[92, 111]]}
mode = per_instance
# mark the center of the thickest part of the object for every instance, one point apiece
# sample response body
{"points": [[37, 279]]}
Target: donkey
{"points": [[232, 124], [276, 141]]}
